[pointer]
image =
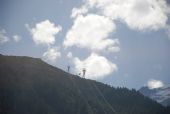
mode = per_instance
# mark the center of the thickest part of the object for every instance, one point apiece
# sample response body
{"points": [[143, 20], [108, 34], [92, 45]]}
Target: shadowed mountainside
{"points": [[31, 86]]}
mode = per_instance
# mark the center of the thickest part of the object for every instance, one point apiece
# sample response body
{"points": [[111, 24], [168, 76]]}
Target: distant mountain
{"points": [[161, 95], [31, 86]]}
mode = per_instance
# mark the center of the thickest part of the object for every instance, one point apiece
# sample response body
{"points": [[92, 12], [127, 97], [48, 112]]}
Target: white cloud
{"points": [[91, 32], [115, 47], [69, 55], [16, 38], [152, 84], [78, 11], [44, 32], [137, 14], [96, 66], [52, 54], [3, 37]]}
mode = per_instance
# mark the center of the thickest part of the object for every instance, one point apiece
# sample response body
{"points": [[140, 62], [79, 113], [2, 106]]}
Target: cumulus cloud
{"points": [[78, 11], [69, 55], [137, 14], [96, 66], [153, 84], [52, 54], [3, 37], [44, 32], [92, 32], [16, 38]]}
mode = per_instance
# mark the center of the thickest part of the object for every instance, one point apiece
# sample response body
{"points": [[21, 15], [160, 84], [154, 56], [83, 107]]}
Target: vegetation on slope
{"points": [[31, 86]]}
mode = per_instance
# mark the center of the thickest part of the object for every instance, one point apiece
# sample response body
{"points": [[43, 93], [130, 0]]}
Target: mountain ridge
{"points": [[161, 95], [31, 86]]}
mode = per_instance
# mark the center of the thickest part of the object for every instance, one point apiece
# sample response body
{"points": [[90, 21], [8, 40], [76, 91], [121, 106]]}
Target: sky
{"points": [[118, 42]]}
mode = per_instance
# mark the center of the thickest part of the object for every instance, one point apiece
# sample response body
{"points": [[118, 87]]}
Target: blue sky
{"points": [[121, 43]]}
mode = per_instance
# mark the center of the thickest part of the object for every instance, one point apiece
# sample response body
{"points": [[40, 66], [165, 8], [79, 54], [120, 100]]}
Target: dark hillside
{"points": [[31, 86]]}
